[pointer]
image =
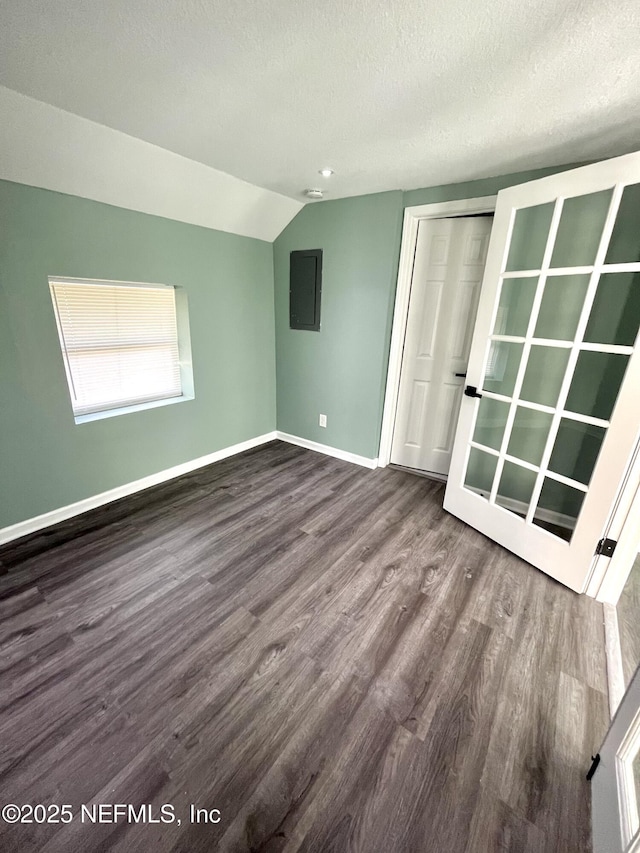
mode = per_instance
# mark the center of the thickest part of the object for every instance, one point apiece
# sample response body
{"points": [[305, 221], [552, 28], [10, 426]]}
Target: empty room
{"points": [[320, 427]]}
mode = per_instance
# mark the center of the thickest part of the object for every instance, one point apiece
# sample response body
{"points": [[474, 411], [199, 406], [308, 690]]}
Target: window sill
{"points": [[125, 410]]}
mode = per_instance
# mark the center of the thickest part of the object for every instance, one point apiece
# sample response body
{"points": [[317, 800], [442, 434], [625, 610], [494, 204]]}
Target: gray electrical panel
{"points": [[305, 288]]}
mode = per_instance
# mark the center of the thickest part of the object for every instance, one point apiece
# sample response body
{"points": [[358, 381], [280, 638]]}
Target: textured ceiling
{"points": [[389, 93]]}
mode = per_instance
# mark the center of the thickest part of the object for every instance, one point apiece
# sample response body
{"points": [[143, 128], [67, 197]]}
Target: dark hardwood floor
{"points": [[317, 650]]}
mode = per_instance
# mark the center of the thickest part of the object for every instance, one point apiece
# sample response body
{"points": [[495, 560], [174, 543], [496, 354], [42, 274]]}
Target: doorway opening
{"points": [[537, 462], [442, 257], [445, 287]]}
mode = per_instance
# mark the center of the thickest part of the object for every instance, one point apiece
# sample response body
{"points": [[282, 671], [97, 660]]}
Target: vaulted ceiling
{"points": [[388, 93]]}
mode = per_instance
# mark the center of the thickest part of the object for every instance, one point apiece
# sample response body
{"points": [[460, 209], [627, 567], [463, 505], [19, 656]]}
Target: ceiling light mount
{"points": [[314, 194], [326, 172]]}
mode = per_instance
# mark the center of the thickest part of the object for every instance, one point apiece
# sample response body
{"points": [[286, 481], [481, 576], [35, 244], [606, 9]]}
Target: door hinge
{"points": [[595, 760], [606, 547]]}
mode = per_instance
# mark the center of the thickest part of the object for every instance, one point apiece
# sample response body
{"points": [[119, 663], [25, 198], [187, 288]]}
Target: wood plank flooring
{"points": [[316, 650]]}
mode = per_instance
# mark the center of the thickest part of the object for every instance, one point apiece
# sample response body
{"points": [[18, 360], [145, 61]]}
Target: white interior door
{"points": [[615, 787], [541, 449], [448, 267]]}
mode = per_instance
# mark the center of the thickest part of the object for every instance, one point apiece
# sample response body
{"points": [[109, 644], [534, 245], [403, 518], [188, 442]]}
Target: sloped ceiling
{"points": [[389, 93], [47, 147]]}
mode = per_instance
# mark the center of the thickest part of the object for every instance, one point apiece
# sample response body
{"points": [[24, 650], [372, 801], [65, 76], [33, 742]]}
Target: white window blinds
{"points": [[119, 343]]}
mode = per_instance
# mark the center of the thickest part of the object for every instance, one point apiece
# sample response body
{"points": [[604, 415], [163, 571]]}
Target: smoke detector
{"points": [[315, 194]]}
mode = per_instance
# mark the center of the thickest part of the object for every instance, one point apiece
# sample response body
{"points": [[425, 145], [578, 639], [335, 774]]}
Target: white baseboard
{"points": [[365, 461], [548, 515], [615, 671], [31, 525]]}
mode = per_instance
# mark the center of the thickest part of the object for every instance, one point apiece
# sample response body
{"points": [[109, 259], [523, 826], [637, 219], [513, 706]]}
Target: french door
{"points": [[551, 411]]}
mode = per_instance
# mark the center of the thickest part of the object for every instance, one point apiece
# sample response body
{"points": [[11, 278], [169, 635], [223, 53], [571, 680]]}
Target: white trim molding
{"points": [[609, 574], [345, 455], [47, 519], [412, 218], [31, 525], [613, 652]]}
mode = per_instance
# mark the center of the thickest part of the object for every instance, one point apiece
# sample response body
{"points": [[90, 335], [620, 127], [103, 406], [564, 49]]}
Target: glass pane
{"points": [[580, 229], [624, 246], [615, 316], [561, 305], [514, 308], [490, 423], [596, 382], [480, 471], [502, 367], [558, 508], [516, 486], [576, 450], [529, 237], [529, 434], [544, 374]]}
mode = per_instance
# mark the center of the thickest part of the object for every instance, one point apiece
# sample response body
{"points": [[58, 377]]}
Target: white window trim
{"points": [[184, 350], [125, 410]]}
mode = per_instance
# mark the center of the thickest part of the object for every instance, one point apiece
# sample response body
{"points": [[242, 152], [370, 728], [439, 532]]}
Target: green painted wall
{"points": [[46, 460], [341, 370]]}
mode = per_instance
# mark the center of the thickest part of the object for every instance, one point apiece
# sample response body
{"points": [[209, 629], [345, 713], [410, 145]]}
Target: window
{"points": [[119, 343]]}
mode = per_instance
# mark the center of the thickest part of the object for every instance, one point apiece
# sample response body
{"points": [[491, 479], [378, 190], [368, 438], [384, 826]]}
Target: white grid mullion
{"points": [[519, 273], [586, 270], [510, 339], [536, 468], [537, 407], [633, 267], [575, 351], [496, 479], [549, 410], [552, 342], [546, 342], [492, 395], [585, 419], [490, 450], [510, 419], [566, 480], [526, 349], [614, 348], [521, 462], [494, 310]]}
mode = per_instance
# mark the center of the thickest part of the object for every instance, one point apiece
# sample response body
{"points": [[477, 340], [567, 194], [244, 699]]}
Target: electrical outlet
{"points": [[323, 420]]}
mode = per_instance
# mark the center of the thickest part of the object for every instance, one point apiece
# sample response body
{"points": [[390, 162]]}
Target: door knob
{"points": [[471, 391], [460, 374]]}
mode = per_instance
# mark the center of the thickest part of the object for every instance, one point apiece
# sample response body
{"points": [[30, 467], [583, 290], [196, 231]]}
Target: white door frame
{"points": [[609, 575], [412, 218]]}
